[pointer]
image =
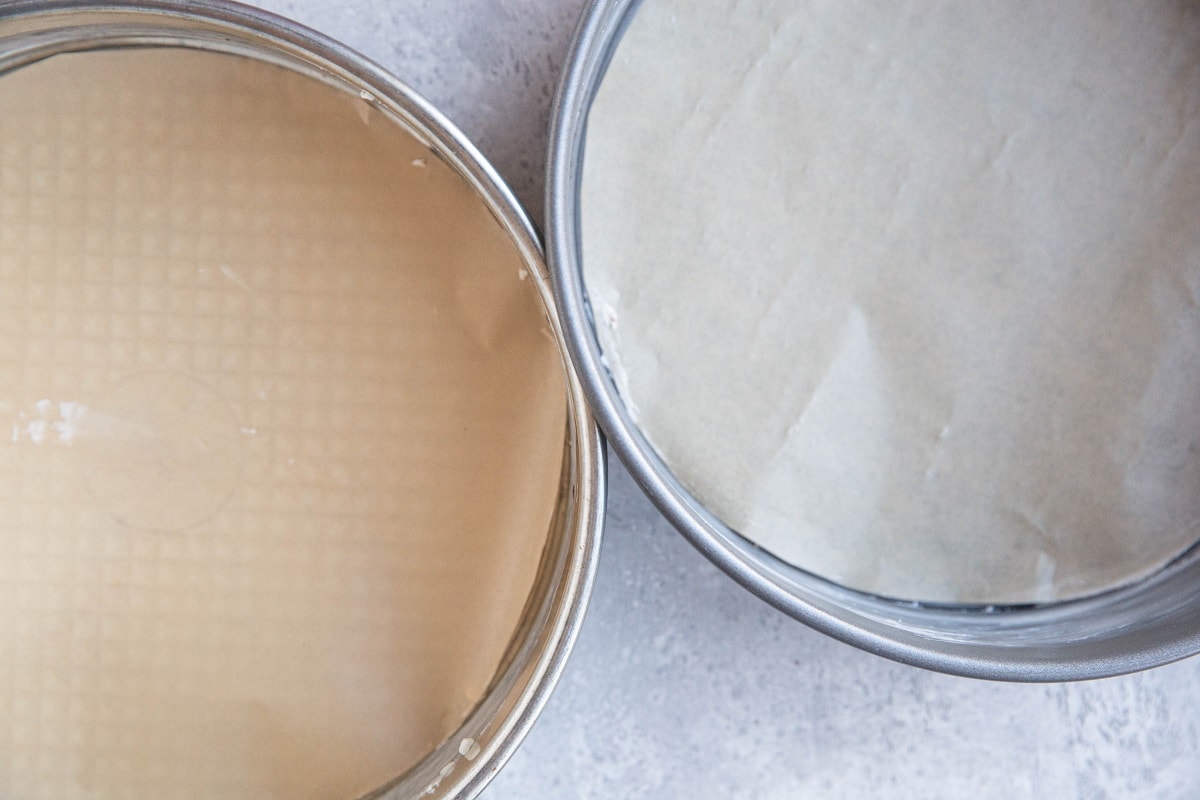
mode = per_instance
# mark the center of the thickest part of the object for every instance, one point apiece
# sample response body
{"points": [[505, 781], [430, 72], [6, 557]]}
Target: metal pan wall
{"points": [[1143, 625], [550, 622]]}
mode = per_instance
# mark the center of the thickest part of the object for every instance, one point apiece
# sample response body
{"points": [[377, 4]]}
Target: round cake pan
{"points": [[462, 764], [1150, 623]]}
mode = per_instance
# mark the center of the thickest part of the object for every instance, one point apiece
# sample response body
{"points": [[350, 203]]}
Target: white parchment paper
{"points": [[907, 292]]}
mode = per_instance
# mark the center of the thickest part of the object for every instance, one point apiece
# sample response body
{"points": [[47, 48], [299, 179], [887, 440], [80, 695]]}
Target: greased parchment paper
{"points": [[283, 434], [907, 292]]}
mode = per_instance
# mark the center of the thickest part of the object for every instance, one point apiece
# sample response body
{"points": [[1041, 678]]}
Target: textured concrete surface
{"points": [[684, 686]]}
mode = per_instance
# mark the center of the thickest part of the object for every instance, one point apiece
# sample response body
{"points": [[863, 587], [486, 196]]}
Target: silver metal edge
{"points": [[593, 45], [587, 448]]}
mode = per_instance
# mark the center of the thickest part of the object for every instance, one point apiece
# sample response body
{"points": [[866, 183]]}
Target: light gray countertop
{"points": [[682, 685]]}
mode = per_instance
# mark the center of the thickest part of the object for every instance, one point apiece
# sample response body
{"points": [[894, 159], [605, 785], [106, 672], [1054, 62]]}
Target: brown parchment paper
{"points": [[283, 434]]}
